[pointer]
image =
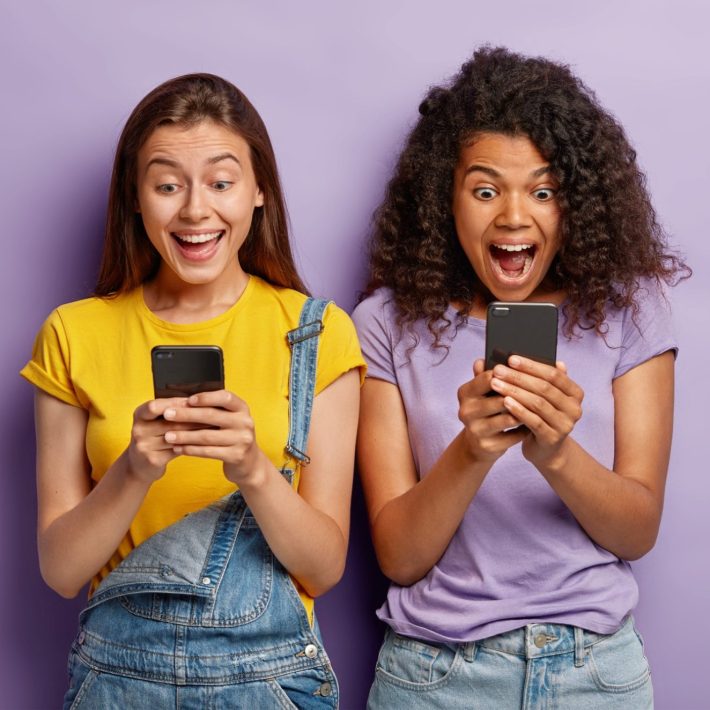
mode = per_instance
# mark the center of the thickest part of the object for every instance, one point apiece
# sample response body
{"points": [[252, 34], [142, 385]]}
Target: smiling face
{"points": [[196, 194], [506, 214]]}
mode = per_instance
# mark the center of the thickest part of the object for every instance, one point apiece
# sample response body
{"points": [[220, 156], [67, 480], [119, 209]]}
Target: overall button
{"points": [[311, 651], [81, 638], [540, 640], [206, 580], [326, 689]]}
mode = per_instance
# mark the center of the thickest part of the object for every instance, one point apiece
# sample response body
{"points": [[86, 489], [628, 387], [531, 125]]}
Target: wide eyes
{"points": [[544, 194], [222, 185], [170, 188], [541, 194], [485, 193]]}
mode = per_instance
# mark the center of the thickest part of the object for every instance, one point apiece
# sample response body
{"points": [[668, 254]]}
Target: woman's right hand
{"points": [[485, 419], [148, 452]]}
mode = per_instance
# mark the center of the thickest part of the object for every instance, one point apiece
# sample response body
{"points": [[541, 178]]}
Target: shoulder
{"points": [[377, 310], [89, 311], [646, 326], [289, 303]]}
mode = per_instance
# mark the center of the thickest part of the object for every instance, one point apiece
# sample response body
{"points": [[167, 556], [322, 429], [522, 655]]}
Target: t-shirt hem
{"points": [[39, 378], [495, 628], [626, 367]]}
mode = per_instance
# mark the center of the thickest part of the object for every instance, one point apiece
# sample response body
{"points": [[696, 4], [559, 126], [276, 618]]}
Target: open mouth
{"points": [[197, 246], [512, 261]]}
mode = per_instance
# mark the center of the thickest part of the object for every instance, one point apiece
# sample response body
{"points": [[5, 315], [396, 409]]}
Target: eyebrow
{"points": [[545, 169], [210, 161]]}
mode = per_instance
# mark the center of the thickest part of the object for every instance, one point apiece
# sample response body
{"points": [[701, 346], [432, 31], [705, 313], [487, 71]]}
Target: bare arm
{"points": [[620, 509], [307, 531], [70, 512], [413, 521]]}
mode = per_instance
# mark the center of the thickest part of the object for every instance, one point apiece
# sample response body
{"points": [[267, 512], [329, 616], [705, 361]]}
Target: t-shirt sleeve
{"points": [[370, 318], [339, 349], [649, 331], [48, 368]]}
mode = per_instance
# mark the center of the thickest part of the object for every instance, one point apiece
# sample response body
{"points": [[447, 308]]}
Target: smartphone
{"points": [[184, 370], [527, 329]]}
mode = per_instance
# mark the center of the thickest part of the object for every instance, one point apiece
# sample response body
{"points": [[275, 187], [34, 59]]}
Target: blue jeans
{"points": [[201, 614], [537, 667]]}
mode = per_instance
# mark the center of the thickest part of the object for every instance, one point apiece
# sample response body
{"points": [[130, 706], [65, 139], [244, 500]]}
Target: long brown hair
{"points": [[129, 259]]}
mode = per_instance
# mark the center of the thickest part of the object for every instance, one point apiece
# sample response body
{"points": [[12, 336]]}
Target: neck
{"points": [[175, 300]]}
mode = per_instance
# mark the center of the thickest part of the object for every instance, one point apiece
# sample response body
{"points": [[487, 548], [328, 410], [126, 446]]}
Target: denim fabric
{"points": [[537, 667], [202, 615]]}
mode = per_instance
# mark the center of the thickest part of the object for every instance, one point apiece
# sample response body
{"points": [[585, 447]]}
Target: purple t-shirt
{"points": [[519, 556]]}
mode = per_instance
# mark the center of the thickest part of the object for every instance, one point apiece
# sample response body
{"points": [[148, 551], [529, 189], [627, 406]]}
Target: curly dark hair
{"points": [[610, 236]]}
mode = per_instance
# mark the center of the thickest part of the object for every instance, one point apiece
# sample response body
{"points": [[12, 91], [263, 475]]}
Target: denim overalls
{"points": [[201, 615]]}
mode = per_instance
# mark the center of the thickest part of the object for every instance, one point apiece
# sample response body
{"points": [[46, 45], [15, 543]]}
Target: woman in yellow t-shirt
{"points": [[203, 534]]}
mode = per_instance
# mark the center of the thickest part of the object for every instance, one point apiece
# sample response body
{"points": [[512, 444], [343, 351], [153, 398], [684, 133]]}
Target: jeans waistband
{"points": [[540, 640]]}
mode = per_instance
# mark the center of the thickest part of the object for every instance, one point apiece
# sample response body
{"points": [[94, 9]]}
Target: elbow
{"points": [[57, 583], [325, 579], [318, 587], [61, 587], [638, 550], [399, 570], [641, 545]]}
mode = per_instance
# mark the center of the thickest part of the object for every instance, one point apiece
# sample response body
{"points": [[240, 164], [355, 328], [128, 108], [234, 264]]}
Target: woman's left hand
{"points": [[545, 400], [228, 434]]}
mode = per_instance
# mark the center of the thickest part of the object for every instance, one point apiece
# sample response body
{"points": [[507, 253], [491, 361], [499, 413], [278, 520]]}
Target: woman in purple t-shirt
{"points": [[508, 548]]}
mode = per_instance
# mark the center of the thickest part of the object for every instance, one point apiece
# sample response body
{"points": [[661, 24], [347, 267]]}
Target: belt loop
{"points": [[578, 647], [468, 651]]}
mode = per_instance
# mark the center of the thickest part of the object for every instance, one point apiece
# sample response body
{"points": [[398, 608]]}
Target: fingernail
{"points": [[514, 360], [496, 383], [169, 413], [193, 399], [170, 436]]}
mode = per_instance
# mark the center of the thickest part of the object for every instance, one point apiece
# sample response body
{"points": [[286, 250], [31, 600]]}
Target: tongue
{"points": [[196, 246], [511, 260]]}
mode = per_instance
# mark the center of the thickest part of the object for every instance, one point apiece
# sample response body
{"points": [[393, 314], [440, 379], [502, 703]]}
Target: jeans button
{"points": [[81, 638], [540, 640], [325, 689], [311, 651]]}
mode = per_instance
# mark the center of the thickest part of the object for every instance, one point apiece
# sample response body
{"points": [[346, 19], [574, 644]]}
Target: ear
{"points": [[259, 201]]}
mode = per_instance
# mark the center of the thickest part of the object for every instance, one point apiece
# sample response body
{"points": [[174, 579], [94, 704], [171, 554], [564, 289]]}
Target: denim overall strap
{"points": [[303, 342]]}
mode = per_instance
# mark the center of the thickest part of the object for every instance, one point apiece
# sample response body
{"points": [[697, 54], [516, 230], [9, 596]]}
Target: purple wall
{"points": [[338, 87]]}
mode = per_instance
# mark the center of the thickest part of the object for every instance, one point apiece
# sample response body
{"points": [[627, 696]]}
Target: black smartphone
{"points": [[184, 370], [527, 329]]}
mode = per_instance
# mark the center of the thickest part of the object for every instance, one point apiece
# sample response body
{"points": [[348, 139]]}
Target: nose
{"points": [[513, 213], [196, 206]]}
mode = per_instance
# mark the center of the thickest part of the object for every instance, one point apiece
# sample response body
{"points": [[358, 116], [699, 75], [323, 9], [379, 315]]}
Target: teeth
{"points": [[513, 247], [198, 238]]}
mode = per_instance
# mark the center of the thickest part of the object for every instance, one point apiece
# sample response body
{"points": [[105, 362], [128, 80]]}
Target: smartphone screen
{"points": [[527, 329], [184, 370]]}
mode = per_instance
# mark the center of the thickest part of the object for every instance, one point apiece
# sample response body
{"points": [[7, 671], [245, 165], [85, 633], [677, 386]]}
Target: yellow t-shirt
{"points": [[95, 354]]}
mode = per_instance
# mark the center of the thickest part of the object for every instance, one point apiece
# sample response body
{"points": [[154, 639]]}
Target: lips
{"points": [[197, 246]]}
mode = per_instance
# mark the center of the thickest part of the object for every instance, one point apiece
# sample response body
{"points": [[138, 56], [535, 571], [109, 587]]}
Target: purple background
{"points": [[338, 88]]}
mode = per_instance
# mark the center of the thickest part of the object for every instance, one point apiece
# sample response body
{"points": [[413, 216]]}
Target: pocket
{"points": [[410, 662], [617, 663], [242, 596], [312, 689], [81, 678]]}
